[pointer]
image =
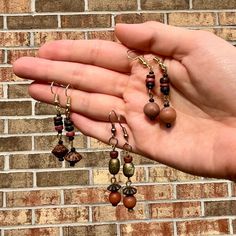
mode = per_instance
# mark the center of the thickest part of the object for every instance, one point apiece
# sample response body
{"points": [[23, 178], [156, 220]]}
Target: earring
{"points": [[151, 109], [72, 156], [129, 200], [59, 150], [167, 114], [114, 164]]}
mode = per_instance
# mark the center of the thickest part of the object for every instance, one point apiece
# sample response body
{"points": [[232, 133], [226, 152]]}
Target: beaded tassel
{"points": [[167, 114]]}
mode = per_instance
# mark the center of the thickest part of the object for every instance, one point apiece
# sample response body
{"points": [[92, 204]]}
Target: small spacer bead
{"points": [[168, 125], [71, 138], [151, 100], [128, 159], [114, 154], [70, 134], [164, 80], [59, 128]]}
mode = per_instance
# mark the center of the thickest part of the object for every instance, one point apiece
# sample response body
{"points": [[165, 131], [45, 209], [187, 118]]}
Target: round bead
{"points": [[165, 90], [129, 201], [69, 128], [114, 198], [114, 154], [128, 159], [164, 80], [114, 166], [151, 110], [150, 85], [57, 118], [128, 169], [59, 128], [168, 115], [70, 134]]}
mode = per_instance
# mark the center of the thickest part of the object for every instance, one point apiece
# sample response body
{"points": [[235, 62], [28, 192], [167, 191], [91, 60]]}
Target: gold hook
{"points": [[110, 115]]}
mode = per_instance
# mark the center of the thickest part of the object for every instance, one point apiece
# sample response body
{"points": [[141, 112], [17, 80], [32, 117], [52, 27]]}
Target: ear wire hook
{"points": [[68, 101], [113, 141]]}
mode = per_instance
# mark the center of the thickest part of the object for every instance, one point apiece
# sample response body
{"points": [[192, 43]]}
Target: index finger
{"points": [[106, 54]]}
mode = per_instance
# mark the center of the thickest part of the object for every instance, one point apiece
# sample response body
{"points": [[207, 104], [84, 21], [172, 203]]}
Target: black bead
{"points": [[58, 122], [168, 125], [164, 80], [166, 104], [60, 142], [58, 115], [57, 118], [69, 128], [151, 100], [71, 138], [61, 159], [150, 85], [165, 90], [72, 149], [59, 131], [68, 122], [151, 75]]}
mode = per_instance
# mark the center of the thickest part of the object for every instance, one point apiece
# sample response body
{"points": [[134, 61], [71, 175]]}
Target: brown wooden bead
{"points": [[129, 201], [114, 198], [168, 115], [151, 110], [128, 159], [114, 154]]}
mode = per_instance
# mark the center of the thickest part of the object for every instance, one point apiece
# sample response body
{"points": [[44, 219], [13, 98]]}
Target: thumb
{"points": [[156, 38]]}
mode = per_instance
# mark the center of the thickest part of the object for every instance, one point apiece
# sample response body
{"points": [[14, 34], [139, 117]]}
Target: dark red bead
{"points": [[114, 154], [164, 80], [128, 159]]}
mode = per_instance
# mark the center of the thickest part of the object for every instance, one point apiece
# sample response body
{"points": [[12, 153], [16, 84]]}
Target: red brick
{"points": [[13, 55], [15, 217], [109, 213], [62, 178], [192, 19], [147, 229], [6, 74], [139, 18], [33, 232], [202, 227], [60, 6], [1, 22], [86, 21], [14, 39], [104, 35], [86, 195], [214, 4], [61, 215], [32, 22], [43, 37], [33, 198], [220, 208], [14, 6], [107, 5], [234, 226], [15, 108], [164, 4], [175, 210], [16, 180], [208, 190]]}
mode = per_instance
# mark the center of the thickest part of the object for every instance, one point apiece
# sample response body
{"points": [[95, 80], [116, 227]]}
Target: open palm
{"points": [[202, 69]]}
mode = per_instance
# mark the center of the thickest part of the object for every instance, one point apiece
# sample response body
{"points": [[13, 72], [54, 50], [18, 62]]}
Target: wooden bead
{"points": [[114, 154], [129, 201], [168, 115], [151, 110], [128, 159], [114, 198]]}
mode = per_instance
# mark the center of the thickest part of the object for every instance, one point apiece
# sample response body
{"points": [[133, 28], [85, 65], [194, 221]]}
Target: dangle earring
{"points": [[129, 200], [167, 114], [114, 164], [72, 156], [151, 109], [59, 150]]}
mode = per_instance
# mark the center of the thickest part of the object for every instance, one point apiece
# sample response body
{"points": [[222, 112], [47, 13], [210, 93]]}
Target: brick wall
{"points": [[40, 196]]}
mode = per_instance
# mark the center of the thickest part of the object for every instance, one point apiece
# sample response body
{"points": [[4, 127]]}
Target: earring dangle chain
{"points": [[167, 113], [129, 199], [114, 163], [72, 156], [59, 150]]}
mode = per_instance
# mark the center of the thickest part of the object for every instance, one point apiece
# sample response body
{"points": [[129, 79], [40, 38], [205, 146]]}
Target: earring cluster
{"points": [[128, 191], [167, 114], [60, 150]]}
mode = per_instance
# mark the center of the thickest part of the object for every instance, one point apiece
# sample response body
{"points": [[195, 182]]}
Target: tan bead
{"points": [[151, 110], [168, 115]]}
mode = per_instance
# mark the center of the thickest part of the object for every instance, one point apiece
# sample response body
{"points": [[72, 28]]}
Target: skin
{"points": [[202, 70]]}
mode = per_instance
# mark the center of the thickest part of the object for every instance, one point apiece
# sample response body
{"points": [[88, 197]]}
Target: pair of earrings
{"points": [[128, 191], [60, 150], [167, 114]]}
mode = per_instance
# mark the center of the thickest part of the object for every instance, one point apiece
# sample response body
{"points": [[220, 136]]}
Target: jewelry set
{"points": [[152, 111]]}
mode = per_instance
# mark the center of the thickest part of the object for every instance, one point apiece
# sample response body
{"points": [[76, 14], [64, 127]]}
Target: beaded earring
{"points": [[129, 200], [167, 114], [72, 156], [59, 150], [114, 164]]}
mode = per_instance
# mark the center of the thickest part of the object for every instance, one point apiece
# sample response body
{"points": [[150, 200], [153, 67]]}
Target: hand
{"points": [[202, 70]]}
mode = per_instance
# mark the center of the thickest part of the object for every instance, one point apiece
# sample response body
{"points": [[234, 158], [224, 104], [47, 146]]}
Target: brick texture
{"points": [[227, 18], [203, 227], [18, 91], [1, 162], [234, 226], [15, 108], [1, 199], [214, 4], [61, 215], [15, 54], [62, 178], [6, 74], [164, 4], [32, 198], [33, 232], [153, 228], [106, 5], [11, 144], [14, 6], [86, 21], [60, 6], [14, 39], [95, 230], [31, 22], [220, 208]]}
